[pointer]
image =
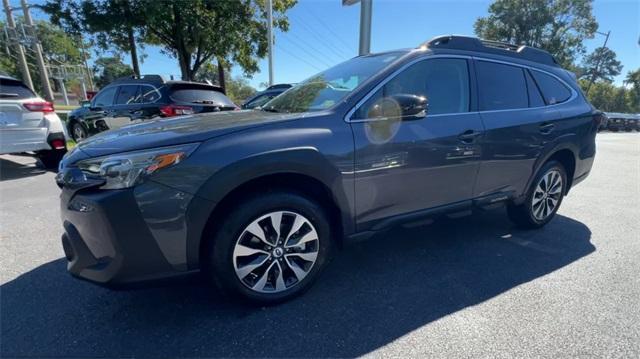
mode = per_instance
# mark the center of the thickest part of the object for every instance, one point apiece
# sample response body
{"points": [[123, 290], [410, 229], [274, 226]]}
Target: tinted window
{"points": [[105, 97], [201, 95], [552, 89], [127, 94], [14, 89], [535, 98], [444, 82], [260, 100], [148, 94], [501, 87]]}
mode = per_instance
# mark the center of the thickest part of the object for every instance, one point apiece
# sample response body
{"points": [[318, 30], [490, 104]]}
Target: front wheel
{"points": [[543, 198], [270, 248], [78, 132], [50, 158]]}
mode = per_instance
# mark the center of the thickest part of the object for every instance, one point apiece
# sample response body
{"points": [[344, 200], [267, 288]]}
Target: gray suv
{"points": [[257, 199]]}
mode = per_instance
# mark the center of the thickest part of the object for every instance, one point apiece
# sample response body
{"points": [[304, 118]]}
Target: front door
{"points": [[403, 165]]}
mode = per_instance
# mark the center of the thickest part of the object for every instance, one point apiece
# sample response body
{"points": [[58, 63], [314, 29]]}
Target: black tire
{"points": [[219, 262], [78, 131], [50, 158], [523, 214]]}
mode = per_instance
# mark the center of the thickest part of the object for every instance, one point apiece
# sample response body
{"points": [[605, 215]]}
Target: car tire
{"points": [[50, 158], [246, 238], [542, 202], [78, 131]]}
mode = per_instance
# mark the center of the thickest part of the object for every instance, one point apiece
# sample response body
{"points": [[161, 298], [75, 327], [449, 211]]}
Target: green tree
{"points": [[108, 69], [114, 24], [606, 96], [558, 26], [601, 64], [230, 31], [633, 95]]}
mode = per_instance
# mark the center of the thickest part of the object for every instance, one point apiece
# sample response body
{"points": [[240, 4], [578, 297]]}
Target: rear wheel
{"points": [[270, 248], [78, 132], [543, 198]]}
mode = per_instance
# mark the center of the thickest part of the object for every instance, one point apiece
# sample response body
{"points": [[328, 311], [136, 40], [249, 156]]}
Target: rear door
{"points": [[125, 104], [517, 124], [20, 128]]}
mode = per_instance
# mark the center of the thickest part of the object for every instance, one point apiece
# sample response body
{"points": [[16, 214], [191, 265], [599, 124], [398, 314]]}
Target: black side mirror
{"points": [[85, 103], [399, 106]]}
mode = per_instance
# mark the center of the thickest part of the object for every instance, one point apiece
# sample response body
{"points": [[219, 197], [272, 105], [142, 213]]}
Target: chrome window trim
{"points": [[347, 117]]}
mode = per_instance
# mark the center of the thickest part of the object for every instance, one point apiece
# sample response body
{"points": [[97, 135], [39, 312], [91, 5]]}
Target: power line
{"points": [[292, 54], [322, 41], [329, 29], [300, 47]]}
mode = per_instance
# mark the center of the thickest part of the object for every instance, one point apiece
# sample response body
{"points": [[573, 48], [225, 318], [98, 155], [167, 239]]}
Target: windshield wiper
{"points": [[269, 109], [6, 94]]}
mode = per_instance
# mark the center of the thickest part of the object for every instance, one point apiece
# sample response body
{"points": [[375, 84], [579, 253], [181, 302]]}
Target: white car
{"points": [[29, 124]]}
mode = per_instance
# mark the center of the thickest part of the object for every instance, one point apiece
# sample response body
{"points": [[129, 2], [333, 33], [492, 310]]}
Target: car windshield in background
{"points": [[11, 89], [327, 88], [200, 95]]}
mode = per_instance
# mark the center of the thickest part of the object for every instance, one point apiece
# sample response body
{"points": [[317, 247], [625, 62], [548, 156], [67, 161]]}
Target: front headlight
{"points": [[125, 170]]}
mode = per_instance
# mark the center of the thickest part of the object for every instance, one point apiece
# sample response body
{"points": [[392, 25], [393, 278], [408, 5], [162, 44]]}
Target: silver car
{"points": [[29, 124]]}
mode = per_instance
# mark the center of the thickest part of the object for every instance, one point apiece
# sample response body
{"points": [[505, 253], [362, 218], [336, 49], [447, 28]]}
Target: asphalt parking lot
{"points": [[468, 287]]}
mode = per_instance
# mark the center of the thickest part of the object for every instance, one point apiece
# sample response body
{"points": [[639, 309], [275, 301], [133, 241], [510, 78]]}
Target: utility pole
{"points": [[270, 36], [24, 68], [86, 66], [366, 9], [593, 76], [46, 86]]}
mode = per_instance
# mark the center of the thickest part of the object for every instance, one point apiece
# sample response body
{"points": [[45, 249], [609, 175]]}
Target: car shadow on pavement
{"points": [[370, 295], [10, 170]]}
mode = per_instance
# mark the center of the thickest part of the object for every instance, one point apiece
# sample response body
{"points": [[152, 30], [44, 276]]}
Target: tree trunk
{"points": [[221, 81], [134, 52]]}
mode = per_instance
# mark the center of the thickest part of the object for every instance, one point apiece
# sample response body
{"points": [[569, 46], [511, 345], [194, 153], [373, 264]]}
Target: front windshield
{"points": [[327, 88]]}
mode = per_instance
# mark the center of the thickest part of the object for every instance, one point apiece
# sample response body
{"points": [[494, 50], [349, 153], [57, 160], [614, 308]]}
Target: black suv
{"points": [[133, 99], [257, 199], [261, 98]]}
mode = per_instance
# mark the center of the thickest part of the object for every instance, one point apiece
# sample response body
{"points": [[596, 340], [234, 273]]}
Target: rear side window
{"points": [[105, 97], [148, 94], [14, 89], [535, 98], [200, 95], [501, 87], [553, 90], [127, 95]]}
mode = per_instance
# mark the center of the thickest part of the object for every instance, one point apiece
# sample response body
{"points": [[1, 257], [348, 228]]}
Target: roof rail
{"points": [[468, 43], [146, 78]]}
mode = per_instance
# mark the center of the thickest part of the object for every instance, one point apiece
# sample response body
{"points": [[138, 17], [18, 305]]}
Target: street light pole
{"points": [[46, 86], [365, 24], [593, 76], [270, 38], [22, 60]]}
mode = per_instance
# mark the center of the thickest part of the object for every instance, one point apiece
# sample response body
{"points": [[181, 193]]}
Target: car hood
{"points": [[177, 130]]}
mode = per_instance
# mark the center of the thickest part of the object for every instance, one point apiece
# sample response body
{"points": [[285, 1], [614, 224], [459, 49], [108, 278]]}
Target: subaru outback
{"points": [[258, 199]]}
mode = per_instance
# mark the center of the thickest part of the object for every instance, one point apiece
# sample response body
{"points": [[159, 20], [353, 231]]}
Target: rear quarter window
{"points": [[12, 89], [553, 90]]}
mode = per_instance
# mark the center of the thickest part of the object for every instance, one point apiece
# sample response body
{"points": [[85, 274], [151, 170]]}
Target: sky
{"points": [[323, 33]]}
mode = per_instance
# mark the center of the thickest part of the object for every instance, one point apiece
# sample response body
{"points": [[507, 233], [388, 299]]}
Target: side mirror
{"points": [[85, 103], [400, 106]]}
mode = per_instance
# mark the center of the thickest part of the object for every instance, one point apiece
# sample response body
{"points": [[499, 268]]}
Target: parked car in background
{"points": [[131, 99], [265, 96], [28, 123], [256, 200], [623, 122]]}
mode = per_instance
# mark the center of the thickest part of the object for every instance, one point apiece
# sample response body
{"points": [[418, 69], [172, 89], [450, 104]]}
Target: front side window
{"points": [[501, 87], [329, 87], [443, 82], [105, 97], [260, 100], [553, 90], [128, 94]]}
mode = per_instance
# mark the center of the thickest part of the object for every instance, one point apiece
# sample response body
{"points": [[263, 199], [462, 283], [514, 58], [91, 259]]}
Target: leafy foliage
{"points": [[601, 64], [108, 69], [558, 26], [231, 30]]}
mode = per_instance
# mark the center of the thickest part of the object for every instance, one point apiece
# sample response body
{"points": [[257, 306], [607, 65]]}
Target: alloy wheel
{"points": [[547, 195], [275, 252]]}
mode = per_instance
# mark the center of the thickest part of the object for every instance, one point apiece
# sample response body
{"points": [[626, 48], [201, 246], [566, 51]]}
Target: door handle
{"points": [[469, 136], [546, 128]]}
